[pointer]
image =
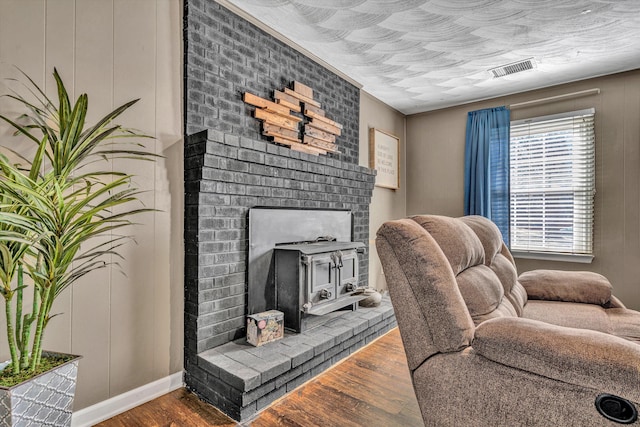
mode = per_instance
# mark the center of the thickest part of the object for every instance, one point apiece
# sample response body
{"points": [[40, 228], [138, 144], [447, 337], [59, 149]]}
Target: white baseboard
{"points": [[125, 401]]}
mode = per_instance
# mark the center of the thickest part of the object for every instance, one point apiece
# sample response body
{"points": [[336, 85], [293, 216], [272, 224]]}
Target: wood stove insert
{"points": [[319, 266], [315, 278]]}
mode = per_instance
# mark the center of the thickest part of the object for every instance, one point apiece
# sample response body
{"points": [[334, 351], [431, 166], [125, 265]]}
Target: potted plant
{"points": [[53, 205]]}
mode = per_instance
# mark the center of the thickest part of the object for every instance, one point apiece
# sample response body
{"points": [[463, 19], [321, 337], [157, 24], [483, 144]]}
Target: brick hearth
{"points": [[245, 379]]}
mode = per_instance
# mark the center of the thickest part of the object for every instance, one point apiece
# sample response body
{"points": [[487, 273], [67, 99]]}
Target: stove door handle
{"points": [[336, 258], [338, 255]]}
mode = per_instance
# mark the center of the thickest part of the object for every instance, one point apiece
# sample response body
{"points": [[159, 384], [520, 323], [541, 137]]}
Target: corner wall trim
{"points": [[125, 401]]}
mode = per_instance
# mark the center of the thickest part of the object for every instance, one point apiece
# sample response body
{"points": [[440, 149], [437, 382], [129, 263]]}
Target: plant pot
{"points": [[44, 400]]}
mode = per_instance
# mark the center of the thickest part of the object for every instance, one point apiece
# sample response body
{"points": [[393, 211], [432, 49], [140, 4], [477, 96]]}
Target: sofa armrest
{"points": [[576, 356], [570, 286]]}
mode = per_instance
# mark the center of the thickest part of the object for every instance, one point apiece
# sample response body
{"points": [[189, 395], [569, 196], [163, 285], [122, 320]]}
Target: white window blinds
{"points": [[553, 183]]}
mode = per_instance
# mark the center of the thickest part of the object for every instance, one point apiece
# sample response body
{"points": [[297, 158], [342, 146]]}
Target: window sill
{"points": [[548, 256]]}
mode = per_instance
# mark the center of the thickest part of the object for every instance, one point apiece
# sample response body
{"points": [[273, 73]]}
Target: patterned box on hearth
{"points": [[265, 327]]}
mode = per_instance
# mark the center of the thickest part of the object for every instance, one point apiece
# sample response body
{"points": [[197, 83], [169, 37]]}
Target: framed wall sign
{"points": [[384, 157]]}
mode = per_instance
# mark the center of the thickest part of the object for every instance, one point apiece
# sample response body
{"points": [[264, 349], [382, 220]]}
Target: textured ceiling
{"points": [[419, 55]]}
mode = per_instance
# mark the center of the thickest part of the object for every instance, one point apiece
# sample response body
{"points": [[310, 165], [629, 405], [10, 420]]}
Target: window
{"points": [[552, 185]]}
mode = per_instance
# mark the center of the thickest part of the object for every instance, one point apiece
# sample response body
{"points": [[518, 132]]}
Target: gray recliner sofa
{"points": [[488, 348]]}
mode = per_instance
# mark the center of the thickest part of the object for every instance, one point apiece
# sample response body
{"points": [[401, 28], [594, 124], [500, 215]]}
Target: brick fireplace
{"points": [[230, 168]]}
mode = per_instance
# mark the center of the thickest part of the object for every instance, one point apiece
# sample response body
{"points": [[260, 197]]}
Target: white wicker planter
{"points": [[44, 400]]}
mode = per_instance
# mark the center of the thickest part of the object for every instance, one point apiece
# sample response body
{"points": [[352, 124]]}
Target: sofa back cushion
{"points": [[484, 270], [499, 259]]}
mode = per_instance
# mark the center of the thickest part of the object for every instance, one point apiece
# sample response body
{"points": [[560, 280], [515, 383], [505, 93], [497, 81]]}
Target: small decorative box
{"points": [[265, 327]]}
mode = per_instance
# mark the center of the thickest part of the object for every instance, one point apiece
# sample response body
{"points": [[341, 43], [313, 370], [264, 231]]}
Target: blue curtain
{"points": [[486, 177]]}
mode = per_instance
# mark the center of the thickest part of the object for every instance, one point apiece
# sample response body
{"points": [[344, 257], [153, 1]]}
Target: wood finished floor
{"points": [[371, 388]]}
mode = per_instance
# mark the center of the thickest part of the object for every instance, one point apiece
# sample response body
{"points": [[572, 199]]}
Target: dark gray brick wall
{"points": [[224, 177], [226, 56]]}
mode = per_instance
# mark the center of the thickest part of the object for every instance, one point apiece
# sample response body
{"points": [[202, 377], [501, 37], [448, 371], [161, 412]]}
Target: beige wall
{"points": [[127, 326], [386, 204], [435, 174]]}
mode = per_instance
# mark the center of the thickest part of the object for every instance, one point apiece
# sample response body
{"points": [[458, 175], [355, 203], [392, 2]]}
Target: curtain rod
{"points": [[571, 95]]}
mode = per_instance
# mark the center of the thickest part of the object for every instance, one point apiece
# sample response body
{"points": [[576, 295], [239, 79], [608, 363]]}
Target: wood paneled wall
{"points": [[127, 326], [435, 170]]}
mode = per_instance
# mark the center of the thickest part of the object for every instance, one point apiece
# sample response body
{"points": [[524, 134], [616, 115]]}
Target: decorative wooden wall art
{"points": [[293, 113]]}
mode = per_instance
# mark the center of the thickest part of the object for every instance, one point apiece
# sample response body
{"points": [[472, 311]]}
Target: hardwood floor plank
{"points": [[176, 409], [371, 388]]}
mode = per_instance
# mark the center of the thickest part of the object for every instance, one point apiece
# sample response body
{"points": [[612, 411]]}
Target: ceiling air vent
{"points": [[514, 67]]}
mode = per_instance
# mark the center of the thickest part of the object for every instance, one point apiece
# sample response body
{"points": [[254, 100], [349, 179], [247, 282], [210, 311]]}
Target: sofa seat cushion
{"points": [[621, 322], [571, 355], [569, 314], [625, 323]]}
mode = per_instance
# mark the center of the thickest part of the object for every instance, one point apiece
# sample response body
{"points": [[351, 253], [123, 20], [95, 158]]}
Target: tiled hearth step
{"points": [[244, 379]]}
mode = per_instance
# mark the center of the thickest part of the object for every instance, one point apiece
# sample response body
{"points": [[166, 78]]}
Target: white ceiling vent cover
{"points": [[514, 67]]}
